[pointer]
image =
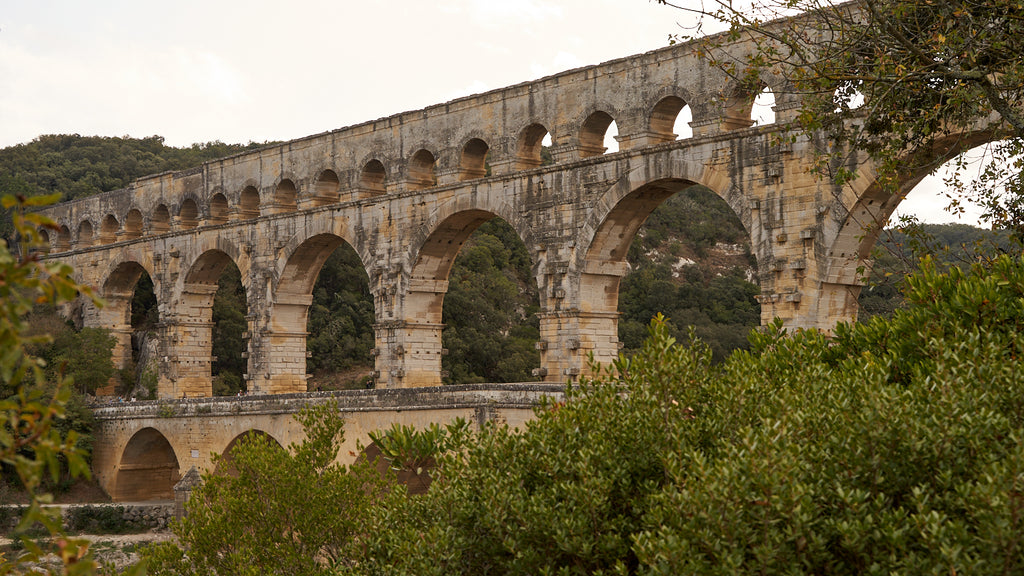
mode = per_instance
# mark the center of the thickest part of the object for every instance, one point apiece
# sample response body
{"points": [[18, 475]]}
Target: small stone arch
{"points": [[529, 146], [326, 189], [289, 313], [285, 197], [592, 133], [188, 214], [249, 203], [84, 237], [160, 221], [422, 166], [225, 462], [663, 117], [133, 222], [738, 106], [148, 469], [45, 244], [194, 298], [63, 239], [108, 229], [372, 177], [219, 210], [473, 162]]}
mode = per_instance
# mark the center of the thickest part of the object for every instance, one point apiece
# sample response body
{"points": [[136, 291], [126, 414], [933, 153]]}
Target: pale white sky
{"points": [[256, 70]]}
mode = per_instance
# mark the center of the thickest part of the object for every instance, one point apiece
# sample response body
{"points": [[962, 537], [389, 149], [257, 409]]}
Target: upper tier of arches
{"points": [[492, 134]]}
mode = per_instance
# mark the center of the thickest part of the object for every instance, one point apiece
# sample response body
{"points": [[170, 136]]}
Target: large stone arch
{"points": [[581, 312], [414, 337], [148, 469], [188, 323], [117, 290], [859, 212], [283, 345]]}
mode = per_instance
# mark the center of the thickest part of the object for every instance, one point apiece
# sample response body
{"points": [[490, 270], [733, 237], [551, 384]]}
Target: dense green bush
{"points": [[894, 447], [96, 519]]}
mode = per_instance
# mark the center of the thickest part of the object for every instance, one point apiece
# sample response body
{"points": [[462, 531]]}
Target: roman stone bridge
{"points": [[407, 190], [142, 449]]}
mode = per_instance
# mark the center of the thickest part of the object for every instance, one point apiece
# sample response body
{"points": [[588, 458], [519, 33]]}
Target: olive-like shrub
{"points": [[892, 446]]}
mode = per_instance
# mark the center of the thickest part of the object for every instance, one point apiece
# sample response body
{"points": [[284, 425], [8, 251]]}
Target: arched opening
{"points": [[229, 346], [218, 209], [148, 469], [325, 191], [592, 134], [213, 295], [108, 229], [84, 237], [131, 314], [324, 293], [679, 250], [161, 219], [249, 203], [473, 163], [532, 141], [188, 214], [372, 177], [63, 239], [670, 120], [476, 277], [749, 108], [133, 224], [284, 197], [226, 461], [44, 241], [933, 212], [763, 110], [421, 170]]}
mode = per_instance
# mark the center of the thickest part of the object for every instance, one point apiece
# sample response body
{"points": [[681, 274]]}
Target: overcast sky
{"points": [[256, 70]]}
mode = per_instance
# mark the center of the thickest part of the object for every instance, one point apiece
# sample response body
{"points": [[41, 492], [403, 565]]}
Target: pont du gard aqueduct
{"points": [[405, 192]]}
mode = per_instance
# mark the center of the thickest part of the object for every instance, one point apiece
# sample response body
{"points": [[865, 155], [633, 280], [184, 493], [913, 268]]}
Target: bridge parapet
{"points": [[494, 396]]}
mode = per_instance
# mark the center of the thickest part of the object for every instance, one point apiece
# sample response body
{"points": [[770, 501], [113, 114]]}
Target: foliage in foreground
{"points": [[902, 81], [894, 447], [291, 512], [31, 439]]}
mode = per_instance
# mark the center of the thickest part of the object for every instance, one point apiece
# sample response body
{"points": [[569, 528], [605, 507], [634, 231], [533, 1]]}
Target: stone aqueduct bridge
{"points": [[406, 191]]}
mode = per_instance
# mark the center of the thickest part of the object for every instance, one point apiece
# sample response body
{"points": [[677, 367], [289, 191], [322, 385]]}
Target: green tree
{"points": [[341, 317], [292, 511], [899, 80], [893, 447], [85, 357], [491, 310]]}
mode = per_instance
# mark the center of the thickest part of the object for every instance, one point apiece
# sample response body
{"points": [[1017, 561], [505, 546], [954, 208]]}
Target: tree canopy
{"points": [[910, 83]]}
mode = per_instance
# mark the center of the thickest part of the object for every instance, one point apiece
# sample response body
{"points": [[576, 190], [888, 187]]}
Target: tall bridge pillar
{"points": [[187, 335], [408, 354], [282, 345]]}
